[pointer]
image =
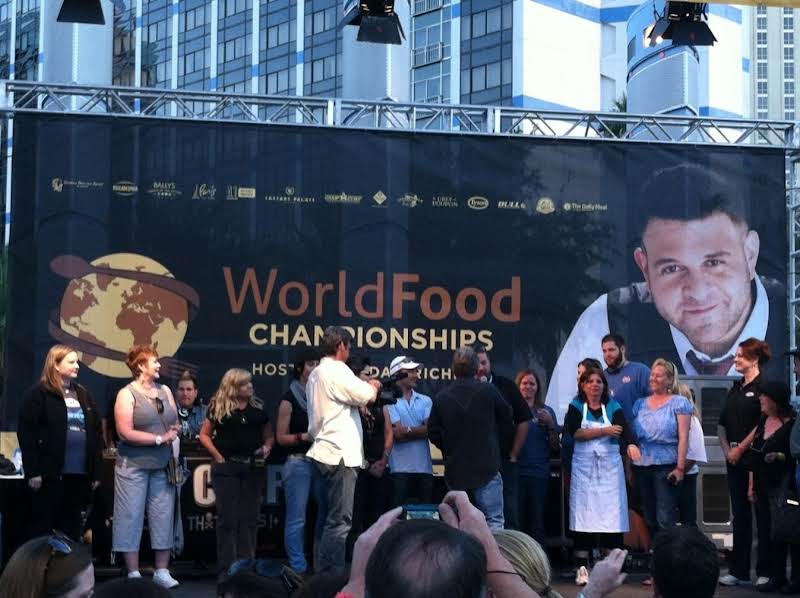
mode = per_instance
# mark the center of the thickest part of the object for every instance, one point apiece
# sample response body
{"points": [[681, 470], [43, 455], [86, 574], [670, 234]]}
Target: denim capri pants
{"points": [[134, 489]]}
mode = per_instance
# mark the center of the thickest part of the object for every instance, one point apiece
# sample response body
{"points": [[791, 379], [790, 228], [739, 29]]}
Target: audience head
{"points": [[49, 566], [528, 559], [685, 563], [248, 584], [685, 391], [752, 351], [336, 341], [530, 386], [322, 585], [664, 377], [304, 363], [236, 384], [131, 587], [465, 363], [61, 363], [187, 390], [591, 375], [585, 363], [359, 364], [775, 398], [424, 558], [142, 360]]}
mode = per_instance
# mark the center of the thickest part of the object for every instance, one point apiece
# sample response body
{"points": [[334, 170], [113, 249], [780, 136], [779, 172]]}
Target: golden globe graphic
{"points": [[118, 301]]}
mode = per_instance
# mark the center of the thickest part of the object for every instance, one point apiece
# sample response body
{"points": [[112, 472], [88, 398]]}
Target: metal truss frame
{"points": [[25, 96]]}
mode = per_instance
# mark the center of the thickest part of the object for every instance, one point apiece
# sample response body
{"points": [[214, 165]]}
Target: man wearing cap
{"points": [[410, 460]]}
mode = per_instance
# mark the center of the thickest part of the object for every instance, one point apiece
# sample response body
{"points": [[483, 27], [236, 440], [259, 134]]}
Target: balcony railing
{"points": [[428, 54], [423, 6]]}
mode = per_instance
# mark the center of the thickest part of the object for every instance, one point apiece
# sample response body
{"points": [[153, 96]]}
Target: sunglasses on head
{"points": [[59, 544]]}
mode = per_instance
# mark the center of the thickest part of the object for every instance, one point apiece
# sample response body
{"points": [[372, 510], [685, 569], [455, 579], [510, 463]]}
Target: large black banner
{"points": [[229, 245]]}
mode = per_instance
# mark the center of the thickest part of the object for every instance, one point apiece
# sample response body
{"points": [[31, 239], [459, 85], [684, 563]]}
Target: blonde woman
{"points": [[59, 433], [236, 432], [528, 559], [661, 423]]}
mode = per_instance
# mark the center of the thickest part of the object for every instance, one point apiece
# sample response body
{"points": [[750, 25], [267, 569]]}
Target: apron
{"points": [[598, 502]]}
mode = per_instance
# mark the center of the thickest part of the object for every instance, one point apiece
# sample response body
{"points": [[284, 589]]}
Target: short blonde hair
{"points": [[672, 374], [528, 559]]}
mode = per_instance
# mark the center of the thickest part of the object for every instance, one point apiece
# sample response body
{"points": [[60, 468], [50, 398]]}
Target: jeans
{"points": [[489, 499], [300, 479], [532, 501], [238, 490], [688, 500], [511, 494], [411, 487], [660, 498], [339, 483], [742, 513], [371, 500]]}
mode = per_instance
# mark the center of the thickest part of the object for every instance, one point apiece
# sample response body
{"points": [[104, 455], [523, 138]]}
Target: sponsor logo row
{"points": [[290, 195]]}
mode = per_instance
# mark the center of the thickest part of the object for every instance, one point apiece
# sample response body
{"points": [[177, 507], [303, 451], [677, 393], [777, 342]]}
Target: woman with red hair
{"points": [[147, 425]]}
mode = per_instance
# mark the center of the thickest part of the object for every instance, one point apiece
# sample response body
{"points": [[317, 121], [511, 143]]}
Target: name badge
{"points": [[72, 403], [750, 394]]}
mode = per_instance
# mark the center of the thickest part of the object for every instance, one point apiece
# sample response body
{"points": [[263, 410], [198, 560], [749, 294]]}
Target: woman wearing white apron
{"points": [[598, 503]]}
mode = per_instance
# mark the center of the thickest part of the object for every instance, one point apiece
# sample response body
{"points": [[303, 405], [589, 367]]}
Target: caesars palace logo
{"points": [[290, 196]]}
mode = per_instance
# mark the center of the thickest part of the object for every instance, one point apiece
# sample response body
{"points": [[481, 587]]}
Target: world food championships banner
{"points": [[229, 245]]}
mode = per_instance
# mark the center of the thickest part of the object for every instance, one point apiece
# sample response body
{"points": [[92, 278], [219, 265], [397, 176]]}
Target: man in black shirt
{"points": [[512, 439], [466, 423]]}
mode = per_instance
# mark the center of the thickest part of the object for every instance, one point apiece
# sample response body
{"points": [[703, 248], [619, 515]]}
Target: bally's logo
{"points": [[476, 202]]}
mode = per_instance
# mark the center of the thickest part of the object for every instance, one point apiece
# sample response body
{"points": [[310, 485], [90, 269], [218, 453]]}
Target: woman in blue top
{"points": [[534, 458], [661, 423]]}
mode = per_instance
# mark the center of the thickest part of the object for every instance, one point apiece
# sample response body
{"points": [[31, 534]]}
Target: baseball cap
{"points": [[401, 362]]}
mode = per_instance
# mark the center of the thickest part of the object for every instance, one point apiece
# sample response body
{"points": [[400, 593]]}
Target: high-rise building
{"points": [[772, 47], [548, 54]]}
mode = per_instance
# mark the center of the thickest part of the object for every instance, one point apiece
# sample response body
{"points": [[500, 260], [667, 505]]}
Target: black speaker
{"points": [[81, 11]]}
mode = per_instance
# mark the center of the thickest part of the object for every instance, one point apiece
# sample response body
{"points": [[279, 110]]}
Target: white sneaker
{"points": [[134, 574], [164, 579], [732, 580], [762, 581], [581, 576]]}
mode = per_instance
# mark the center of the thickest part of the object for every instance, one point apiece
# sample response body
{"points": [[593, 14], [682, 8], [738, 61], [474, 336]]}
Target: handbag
{"points": [[176, 471], [785, 514]]}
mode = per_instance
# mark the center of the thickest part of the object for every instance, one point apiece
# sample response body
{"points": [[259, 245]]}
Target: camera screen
{"points": [[420, 512]]}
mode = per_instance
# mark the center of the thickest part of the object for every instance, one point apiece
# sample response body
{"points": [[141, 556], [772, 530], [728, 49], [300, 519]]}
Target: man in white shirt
{"points": [[334, 394], [410, 460]]}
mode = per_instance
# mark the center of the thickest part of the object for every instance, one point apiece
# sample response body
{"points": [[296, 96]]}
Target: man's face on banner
{"points": [[699, 273]]}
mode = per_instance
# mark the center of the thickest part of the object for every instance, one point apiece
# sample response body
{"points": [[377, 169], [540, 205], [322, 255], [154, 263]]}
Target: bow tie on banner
{"points": [[706, 367]]}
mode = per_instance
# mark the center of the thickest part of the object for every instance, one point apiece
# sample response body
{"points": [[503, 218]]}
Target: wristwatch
{"points": [[159, 440]]}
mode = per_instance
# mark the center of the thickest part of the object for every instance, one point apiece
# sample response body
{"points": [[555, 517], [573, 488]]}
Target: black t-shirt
{"points": [[242, 432], [771, 475], [298, 424], [372, 427], [742, 410]]}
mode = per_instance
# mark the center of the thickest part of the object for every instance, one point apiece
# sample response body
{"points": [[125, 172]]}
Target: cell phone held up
{"points": [[420, 512]]}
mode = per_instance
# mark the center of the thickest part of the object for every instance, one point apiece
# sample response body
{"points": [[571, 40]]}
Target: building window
{"points": [[788, 87], [761, 23], [788, 53], [761, 53], [479, 24], [762, 115], [761, 70], [788, 23], [788, 38], [761, 38], [763, 103], [479, 78], [788, 115], [761, 88], [788, 70], [788, 103]]}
